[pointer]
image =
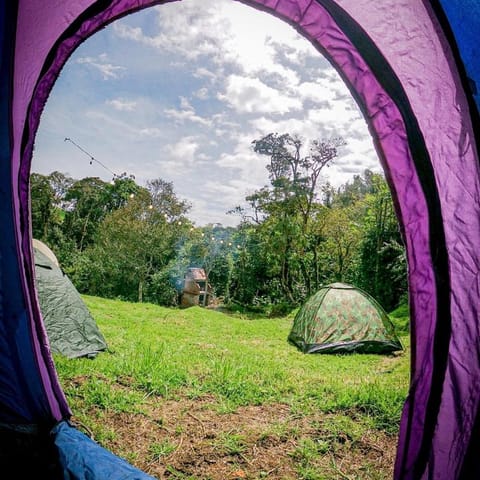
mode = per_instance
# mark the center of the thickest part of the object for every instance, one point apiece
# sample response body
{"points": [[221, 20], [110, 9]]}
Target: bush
{"points": [[280, 309], [160, 290], [400, 318]]}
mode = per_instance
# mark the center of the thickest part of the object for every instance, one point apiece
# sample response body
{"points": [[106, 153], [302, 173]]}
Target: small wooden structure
{"points": [[196, 289]]}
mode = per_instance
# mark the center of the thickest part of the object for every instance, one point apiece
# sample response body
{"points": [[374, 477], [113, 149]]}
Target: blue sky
{"points": [[180, 91]]}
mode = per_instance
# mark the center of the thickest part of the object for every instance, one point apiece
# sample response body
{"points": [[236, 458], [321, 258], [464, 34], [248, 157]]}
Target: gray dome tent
{"points": [[341, 318], [71, 329]]}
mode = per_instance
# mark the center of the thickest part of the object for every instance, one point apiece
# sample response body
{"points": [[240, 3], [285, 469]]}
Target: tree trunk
{"points": [[306, 277], [205, 295]]}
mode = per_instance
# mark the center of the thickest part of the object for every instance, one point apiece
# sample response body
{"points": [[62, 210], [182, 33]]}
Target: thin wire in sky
{"points": [[92, 158]]}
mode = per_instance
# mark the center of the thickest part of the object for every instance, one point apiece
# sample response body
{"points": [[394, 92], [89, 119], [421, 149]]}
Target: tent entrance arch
{"points": [[407, 67]]}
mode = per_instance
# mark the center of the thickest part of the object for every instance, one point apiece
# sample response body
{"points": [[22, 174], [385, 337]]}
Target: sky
{"points": [[180, 91]]}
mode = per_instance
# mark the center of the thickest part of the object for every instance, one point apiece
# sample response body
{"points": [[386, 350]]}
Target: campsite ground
{"points": [[197, 394]]}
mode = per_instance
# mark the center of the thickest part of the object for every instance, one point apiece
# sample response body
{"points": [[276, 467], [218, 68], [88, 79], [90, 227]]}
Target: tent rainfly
{"points": [[71, 329], [413, 68], [341, 318]]}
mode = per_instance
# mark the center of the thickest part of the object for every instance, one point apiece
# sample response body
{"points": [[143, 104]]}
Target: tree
{"points": [[250, 283], [284, 209], [42, 205], [89, 201], [135, 242], [60, 184], [165, 200], [342, 236], [295, 178], [382, 265], [119, 191], [351, 192]]}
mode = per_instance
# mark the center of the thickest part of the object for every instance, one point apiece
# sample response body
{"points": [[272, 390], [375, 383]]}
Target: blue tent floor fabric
{"points": [[28, 452], [83, 459]]}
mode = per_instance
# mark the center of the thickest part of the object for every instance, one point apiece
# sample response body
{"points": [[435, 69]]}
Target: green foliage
{"points": [[382, 268], [139, 238], [42, 206], [294, 244], [120, 240], [402, 310], [48, 209], [161, 289], [401, 319], [283, 218], [88, 198]]}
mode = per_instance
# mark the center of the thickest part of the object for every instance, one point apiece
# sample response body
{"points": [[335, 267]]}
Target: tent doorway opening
{"points": [[119, 221], [420, 146]]}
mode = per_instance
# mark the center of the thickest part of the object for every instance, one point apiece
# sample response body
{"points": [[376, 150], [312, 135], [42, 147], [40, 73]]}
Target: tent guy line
{"points": [[91, 157]]}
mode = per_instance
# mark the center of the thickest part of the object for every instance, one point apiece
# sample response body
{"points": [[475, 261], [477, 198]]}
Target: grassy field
{"points": [[198, 394]]}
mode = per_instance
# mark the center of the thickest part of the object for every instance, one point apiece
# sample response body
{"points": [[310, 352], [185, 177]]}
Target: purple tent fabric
{"points": [[402, 65]]}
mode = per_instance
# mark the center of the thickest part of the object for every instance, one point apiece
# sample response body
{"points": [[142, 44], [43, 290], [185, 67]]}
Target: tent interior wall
{"points": [[413, 67]]}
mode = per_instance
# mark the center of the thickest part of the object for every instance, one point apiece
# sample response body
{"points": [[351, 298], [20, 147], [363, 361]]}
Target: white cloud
{"points": [[244, 163], [202, 72], [122, 105], [183, 152], [324, 91], [227, 32], [202, 93], [336, 116], [107, 70], [250, 95], [201, 80], [264, 125], [152, 132], [186, 113], [183, 31]]}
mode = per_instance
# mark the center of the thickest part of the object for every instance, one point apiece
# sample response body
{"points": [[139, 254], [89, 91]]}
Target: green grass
{"points": [[230, 443], [160, 351], [401, 319], [163, 353], [157, 450]]}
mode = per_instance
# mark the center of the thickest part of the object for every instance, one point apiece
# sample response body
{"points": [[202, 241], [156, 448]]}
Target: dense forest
{"points": [[121, 240]]}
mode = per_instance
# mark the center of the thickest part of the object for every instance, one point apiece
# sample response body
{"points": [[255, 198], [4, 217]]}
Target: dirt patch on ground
{"points": [[193, 439]]}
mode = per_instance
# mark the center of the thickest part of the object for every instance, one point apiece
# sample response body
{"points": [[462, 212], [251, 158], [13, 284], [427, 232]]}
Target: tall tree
{"points": [[60, 182], [342, 236], [42, 198], [288, 203], [133, 243], [89, 200], [382, 268]]}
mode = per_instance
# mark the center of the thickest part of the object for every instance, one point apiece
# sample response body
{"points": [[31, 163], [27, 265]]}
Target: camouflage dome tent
{"points": [[341, 318], [71, 329]]}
